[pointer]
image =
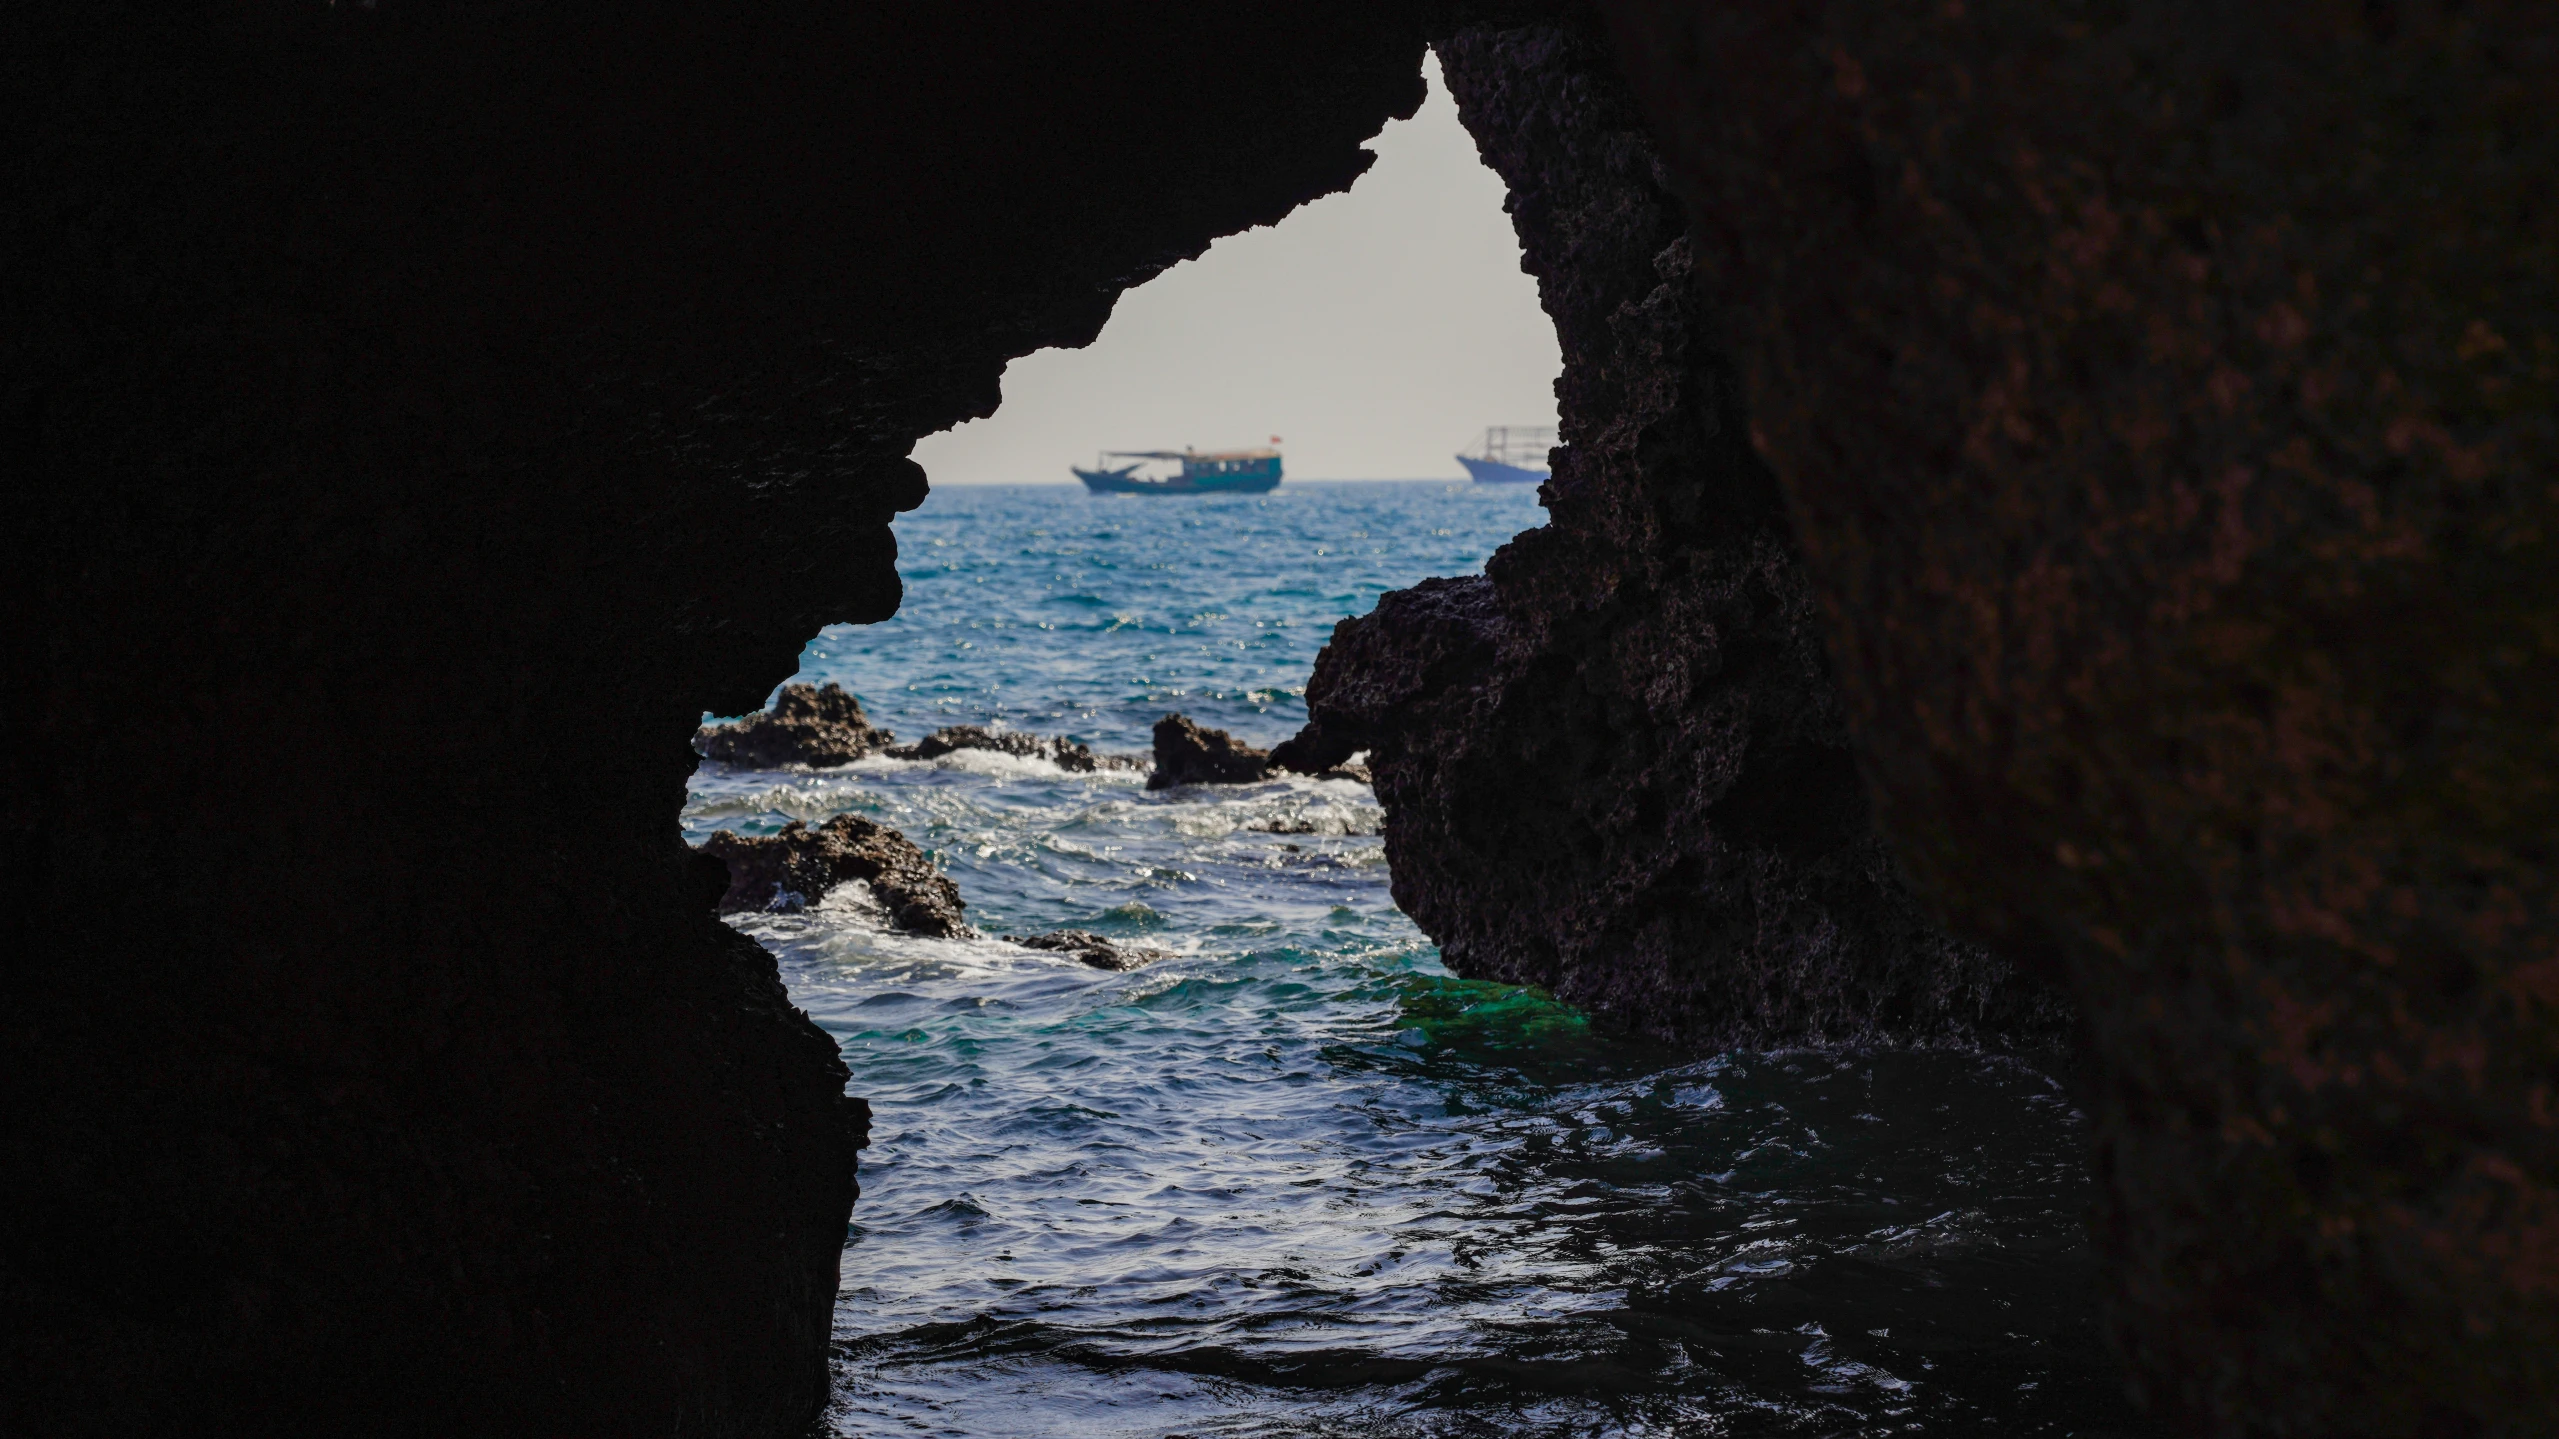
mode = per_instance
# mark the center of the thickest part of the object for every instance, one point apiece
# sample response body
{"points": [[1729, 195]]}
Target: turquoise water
{"points": [[1297, 1179]]}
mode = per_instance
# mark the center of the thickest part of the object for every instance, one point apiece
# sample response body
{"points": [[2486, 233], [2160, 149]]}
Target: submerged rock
{"points": [[796, 867], [1099, 951], [810, 725], [1187, 752], [1065, 753]]}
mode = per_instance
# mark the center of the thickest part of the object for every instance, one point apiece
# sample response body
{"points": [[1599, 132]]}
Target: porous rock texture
{"points": [[1616, 764], [812, 725], [795, 868], [372, 377], [2167, 396]]}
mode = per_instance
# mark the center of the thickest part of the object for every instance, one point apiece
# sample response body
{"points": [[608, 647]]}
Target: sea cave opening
{"points": [[1178, 1119]]}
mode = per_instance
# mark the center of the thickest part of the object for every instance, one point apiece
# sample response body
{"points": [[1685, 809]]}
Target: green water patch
{"points": [[1471, 1031], [1483, 1018]]}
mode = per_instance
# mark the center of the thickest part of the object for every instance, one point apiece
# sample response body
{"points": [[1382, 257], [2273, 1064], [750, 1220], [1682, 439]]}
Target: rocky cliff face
{"points": [[416, 417], [2159, 399], [2164, 394], [1617, 764]]}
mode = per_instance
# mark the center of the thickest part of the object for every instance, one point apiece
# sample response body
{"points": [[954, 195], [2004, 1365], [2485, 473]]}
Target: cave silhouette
{"points": [[419, 414]]}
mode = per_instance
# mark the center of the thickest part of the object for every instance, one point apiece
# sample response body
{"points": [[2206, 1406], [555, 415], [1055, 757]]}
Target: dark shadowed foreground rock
{"points": [[796, 867], [1616, 765], [1188, 753], [1065, 753], [2168, 397], [1097, 950], [809, 725], [372, 377]]}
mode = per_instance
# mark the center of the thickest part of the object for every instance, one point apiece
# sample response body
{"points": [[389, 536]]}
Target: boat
{"points": [[1201, 472], [1510, 455]]}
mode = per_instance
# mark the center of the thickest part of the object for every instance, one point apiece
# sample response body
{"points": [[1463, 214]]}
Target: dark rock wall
{"points": [[2168, 398], [414, 417], [1617, 765]]}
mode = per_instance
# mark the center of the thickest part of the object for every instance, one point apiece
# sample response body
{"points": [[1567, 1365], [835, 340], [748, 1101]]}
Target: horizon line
{"points": [[1291, 480]]}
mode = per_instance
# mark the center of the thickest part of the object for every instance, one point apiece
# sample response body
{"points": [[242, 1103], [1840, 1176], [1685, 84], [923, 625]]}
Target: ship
{"points": [[1510, 455], [1201, 472]]}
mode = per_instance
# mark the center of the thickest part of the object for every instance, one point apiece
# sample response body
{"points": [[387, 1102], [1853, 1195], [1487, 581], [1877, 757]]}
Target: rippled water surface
{"points": [[1297, 1179]]}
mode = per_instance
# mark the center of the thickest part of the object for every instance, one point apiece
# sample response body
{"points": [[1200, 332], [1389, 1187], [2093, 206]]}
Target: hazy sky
{"points": [[1375, 332]]}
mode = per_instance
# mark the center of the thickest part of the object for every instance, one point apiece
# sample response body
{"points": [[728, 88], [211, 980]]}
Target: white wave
{"points": [[1285, 813], [809, 803]]}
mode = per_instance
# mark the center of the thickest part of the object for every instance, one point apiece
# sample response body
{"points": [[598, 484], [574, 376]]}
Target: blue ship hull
{"points": [[1494, 472]]}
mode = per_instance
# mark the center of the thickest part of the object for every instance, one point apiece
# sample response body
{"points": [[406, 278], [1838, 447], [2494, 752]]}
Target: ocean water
{"points": [[1297, 1179]]}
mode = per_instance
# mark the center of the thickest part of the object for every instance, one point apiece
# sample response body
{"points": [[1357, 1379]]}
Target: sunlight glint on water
{"points": [[1298, 1179]]}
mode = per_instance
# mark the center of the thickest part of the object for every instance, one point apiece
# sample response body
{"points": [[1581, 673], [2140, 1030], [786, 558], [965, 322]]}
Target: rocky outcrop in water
{"points": [[1314, 754], [794, 868], [1187, 752], [373, 378], [1058, 750], [811, 725], [1098, 950], [1616, 765]]}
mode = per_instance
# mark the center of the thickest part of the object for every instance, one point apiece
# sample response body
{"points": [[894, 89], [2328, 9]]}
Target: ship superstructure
{"points": [[1510, 455]]}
